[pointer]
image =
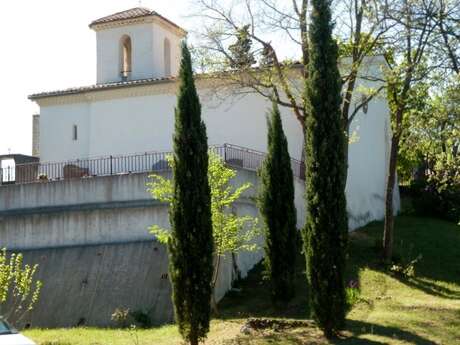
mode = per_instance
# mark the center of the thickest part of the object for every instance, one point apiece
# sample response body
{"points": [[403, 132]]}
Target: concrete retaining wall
{"points": [[83, 285], [90, 238], [109, 209]]}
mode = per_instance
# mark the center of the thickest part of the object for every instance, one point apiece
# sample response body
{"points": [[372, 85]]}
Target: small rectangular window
{"points": [[75, 132]]}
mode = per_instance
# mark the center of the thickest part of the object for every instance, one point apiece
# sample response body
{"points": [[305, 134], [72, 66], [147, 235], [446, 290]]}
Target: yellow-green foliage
{"points": [[232, 233], [18, 290]]}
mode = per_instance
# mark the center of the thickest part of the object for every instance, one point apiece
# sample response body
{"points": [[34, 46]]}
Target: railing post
{"points": [[111, 169]]}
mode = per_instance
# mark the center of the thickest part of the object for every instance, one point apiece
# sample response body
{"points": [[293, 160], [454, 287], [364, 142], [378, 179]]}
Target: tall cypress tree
{"points": [[276, 203], [191, 243], [326, 231]]}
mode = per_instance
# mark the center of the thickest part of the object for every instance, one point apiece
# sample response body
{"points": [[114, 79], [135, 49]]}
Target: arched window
{"points": [[167, 57], [125, 57]]}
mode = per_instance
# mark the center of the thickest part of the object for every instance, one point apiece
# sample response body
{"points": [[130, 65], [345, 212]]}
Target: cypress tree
{"points": [[276, 203], [325, 234], [191, 243]]}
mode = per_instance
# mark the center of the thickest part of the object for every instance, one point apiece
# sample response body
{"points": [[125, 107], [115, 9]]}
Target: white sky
{"points": [[47, 45]]}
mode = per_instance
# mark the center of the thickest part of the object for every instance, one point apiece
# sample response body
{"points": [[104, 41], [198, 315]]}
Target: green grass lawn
{"points": [[424, 309]]}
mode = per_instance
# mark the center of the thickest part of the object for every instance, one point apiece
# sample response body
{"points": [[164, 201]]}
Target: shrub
{"points": [[19, 290], [352, 296], [141, 318], [404, 262], [434, 200], [121, 317], [439, 194]]}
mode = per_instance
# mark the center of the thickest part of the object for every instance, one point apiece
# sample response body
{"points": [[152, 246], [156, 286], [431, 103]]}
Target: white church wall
{"points": [[147, 41], [146, 123], [108, 52], [368, 152], [159, 35], [56, 132], [132, 125], [367, 165], [243, 122]]}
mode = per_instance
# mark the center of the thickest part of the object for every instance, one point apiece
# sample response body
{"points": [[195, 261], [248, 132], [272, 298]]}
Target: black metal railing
{"points": [[234, 156]]}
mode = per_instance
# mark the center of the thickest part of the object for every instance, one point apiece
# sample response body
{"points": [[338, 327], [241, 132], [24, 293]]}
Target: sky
{"points": [[47, 45]]}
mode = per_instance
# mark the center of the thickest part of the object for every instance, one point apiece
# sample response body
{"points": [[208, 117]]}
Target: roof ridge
{"points": [[125, 14], [131, 13]]}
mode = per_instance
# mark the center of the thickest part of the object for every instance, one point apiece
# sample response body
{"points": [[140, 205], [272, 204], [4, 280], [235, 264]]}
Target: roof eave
{"points": [[126, 21], [99, 87]]}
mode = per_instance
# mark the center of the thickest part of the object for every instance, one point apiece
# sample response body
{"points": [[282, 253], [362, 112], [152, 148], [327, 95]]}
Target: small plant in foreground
{"points": [[19, 290], [406, 270], [404, 264], [121, 317]]}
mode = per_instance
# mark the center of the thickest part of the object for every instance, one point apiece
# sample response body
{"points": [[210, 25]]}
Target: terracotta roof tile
{"points": [[97, 87], [136, 12]]}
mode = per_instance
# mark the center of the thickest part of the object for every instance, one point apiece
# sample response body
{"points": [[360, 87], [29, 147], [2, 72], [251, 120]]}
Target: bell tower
{"points": [[136, 44]]}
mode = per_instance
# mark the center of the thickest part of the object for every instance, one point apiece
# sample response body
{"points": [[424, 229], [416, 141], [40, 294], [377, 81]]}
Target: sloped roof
{"points": [[105, 86], [132, 13]]}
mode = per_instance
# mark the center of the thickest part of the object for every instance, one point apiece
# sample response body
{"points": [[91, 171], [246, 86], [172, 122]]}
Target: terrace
{"points": [[34, 171]]}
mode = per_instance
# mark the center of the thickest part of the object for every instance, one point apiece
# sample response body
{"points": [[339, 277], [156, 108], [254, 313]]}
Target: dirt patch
{"points": [[274, 324]]}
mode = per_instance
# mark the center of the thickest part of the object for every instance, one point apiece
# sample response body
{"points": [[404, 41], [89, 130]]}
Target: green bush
{"points": [[430, 199], [141, 319], [124, 318], [352, 293], [438, 195]]}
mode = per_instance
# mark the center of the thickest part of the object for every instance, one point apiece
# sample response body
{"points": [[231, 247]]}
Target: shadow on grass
{"points": [[360, 328], [430, 288], [251, 298], [309, 334], [436, 240]]}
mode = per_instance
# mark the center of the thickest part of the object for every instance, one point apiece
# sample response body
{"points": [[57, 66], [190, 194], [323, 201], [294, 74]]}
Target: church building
{"points": [[80, 208]]}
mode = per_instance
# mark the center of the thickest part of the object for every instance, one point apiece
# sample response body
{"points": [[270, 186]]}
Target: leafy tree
{"points": [[191, 244], [231, 233], [408, 65], [429, 156], [268, 31], [432, 128], [276, 202], [19, 290], [325, 234]]}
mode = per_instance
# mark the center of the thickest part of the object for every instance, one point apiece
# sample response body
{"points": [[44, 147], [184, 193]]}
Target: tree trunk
{"points": [[214, 306], [389, 209]]}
